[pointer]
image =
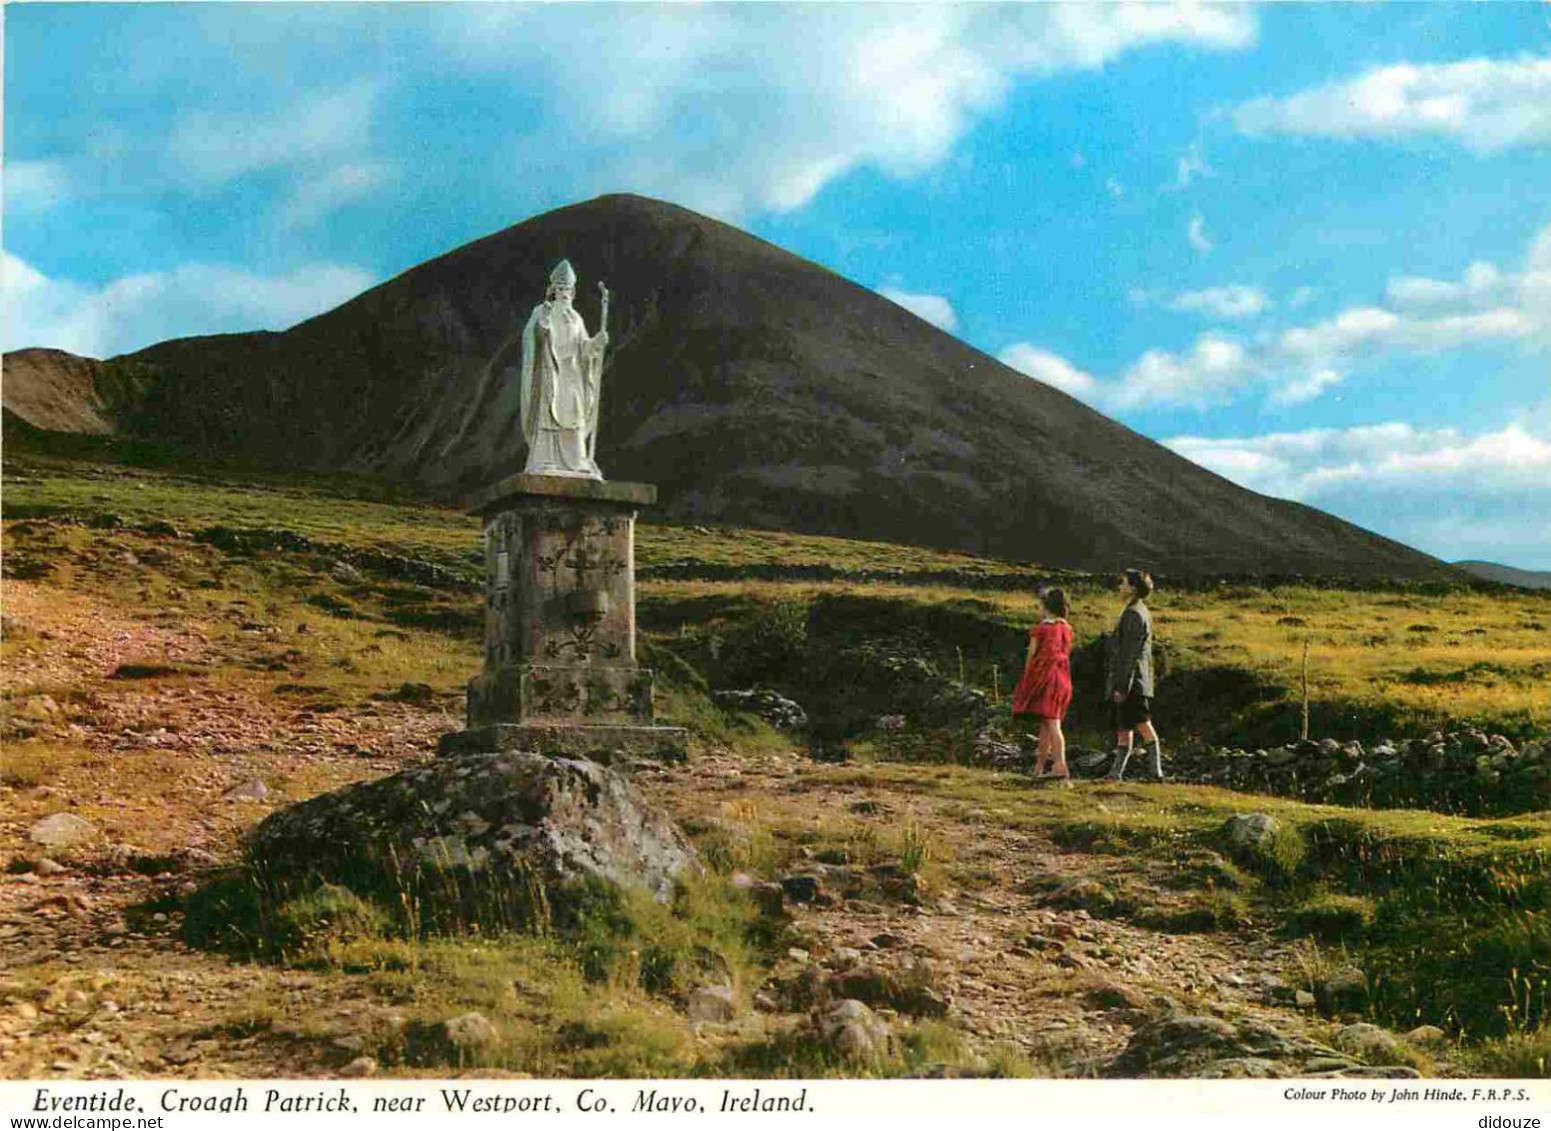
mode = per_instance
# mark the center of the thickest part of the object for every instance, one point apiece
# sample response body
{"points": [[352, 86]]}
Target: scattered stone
{"points": [[62, 830], [253, 790], [1304, 1000], [1250, 830], [771, 898], [1112, 995], [359, 1067], [47, 867], [777, 710], [346, 573], [801, 889], [469, 1031], [712, 1003], [1367, 1041], [854, 1031], [1427, 1035], [1345, 991]]}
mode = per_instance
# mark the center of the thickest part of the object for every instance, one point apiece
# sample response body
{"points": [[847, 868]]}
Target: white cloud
{"points": [[1307, 387], [783, 107], [1209, 373], [1486, 307], [1190, 166], [1481, 285], [1223, 302], [213, 147], [1195, 232], [1302, 297], [137, 310], [931, 308], [33, 187], [1453, 494], [318, 195], [1484, 104], [1373, 329], [1052, 369]]}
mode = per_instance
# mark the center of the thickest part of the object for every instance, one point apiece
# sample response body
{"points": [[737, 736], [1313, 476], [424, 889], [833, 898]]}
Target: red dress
{"points": [[1046, 687]]}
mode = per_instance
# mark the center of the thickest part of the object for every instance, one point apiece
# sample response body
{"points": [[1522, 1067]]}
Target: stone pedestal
{"points": [[560, 674]]}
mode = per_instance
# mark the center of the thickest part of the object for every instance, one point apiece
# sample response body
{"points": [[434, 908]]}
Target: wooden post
{"points": [[1305, 732], [996, 684]]}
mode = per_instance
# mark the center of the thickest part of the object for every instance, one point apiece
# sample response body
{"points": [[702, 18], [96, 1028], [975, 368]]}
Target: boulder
{"points": [[1250, 830], [777, 710], [62, 830], [1345, 991], [854, 1032], [1200, 1046], [1369, 1042], [712, 1003], [469, 1031], [512, 833], [1427, 1035]]}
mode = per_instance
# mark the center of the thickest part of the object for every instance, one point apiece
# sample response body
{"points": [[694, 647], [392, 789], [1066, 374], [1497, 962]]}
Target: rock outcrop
{"points": [[1213, 1048], [513, 835]]}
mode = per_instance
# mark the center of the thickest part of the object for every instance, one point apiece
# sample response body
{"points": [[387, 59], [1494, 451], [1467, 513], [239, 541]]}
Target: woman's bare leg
{"points": [[1057, 748]]}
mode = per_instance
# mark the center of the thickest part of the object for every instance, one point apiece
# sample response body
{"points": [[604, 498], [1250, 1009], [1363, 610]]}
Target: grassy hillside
{"points": [[1383, 661], [176, 635]]}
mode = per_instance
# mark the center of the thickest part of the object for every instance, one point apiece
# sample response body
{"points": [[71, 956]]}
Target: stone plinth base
{"points": [[605, 695], [598, 743]]}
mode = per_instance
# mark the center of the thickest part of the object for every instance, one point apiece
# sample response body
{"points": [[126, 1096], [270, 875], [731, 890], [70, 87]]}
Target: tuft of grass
{"points": [[29, 764], [1331, 918], [1517, 1056]]}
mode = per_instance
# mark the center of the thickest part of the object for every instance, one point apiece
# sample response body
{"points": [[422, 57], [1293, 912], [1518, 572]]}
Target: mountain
{"points": [[1508, 575], [750, 385]]}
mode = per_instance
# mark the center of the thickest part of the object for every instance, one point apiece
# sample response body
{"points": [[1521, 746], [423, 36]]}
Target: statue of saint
{"points": [[562, 370]]}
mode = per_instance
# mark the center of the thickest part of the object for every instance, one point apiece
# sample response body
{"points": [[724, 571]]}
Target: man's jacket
{"points": [[1130, 668]]}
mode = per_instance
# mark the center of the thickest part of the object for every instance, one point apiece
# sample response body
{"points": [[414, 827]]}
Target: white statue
{"points": [[562, 370]]}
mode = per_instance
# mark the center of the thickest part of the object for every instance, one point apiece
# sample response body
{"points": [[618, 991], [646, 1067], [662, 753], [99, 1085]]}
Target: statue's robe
{"points": [[561, 373]]}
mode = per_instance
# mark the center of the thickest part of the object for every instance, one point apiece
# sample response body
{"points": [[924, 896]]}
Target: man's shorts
{"points": [[1132, 711]]}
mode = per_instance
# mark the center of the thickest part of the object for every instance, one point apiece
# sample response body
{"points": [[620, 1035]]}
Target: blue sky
{"points": [[1308, 246]]}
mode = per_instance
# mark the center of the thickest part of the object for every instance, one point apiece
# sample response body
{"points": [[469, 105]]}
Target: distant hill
{"points": [[752, 386], [1508, 575], [56, 391]]}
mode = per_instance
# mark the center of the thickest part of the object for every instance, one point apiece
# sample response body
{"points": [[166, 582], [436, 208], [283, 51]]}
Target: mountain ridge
{"points": [[751, 385]]}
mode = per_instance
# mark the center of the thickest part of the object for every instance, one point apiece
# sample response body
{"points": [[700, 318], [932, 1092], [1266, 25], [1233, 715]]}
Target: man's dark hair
{"points": [[1054, 601], [1140, 583]]}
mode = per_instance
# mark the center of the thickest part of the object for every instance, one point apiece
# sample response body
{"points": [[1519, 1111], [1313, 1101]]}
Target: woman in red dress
{"points": [[1045, 691]]}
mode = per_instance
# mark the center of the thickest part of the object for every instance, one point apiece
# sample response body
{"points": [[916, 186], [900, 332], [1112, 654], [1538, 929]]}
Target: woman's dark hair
{"points": [[1054, 601], [1140, 583]]}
